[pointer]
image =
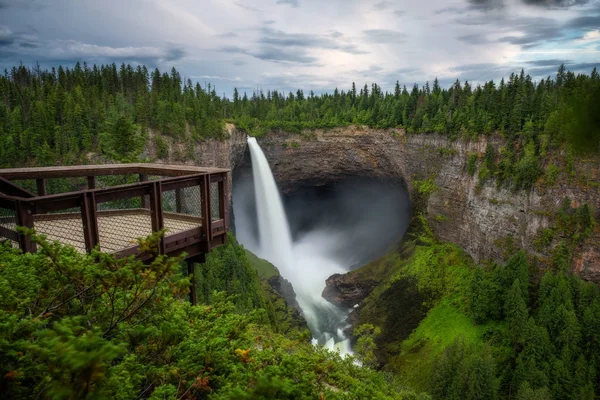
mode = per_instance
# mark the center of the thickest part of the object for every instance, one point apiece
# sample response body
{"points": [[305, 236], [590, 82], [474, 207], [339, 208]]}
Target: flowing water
{"points": [[306, 263]]}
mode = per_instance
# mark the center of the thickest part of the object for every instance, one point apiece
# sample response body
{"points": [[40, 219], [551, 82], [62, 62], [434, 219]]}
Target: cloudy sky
{"points": [[311, 44]]}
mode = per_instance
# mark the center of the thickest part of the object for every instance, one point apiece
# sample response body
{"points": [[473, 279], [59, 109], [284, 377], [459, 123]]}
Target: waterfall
{"points": [[303, 263]]}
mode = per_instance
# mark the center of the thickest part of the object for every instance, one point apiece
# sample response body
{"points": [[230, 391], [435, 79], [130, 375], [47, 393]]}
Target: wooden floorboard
{"points": [[116, 232]]}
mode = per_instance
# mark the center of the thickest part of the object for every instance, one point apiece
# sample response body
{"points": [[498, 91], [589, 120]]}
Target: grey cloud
{"points": [[68, 52], [16, 40], [227, 35], [29, 45], [486, 5], [382, 5], [556, 3], [399, 13], [175, 53], [27, 4], [546, 62], [275, 54], [474, 38], [272, 37], [587, 22], [449, 10], [384, 36], [536, 30], [588, 66], [293, 3], [279, 46], [278, 54], [248, 8]]}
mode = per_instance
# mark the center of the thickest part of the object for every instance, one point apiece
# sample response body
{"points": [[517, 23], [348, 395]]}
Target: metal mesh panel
{"points": [[215, 210], [121, 222], [181, 209], [8, 220], [64, 185], [66, 226]]}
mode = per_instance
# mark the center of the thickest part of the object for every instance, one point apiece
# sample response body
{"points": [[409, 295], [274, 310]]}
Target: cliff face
{"points": [[477, 219]]}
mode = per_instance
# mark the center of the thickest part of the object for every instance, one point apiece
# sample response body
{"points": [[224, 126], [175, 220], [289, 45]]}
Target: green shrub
{"points": [[472, 164], [162, 147], [551, 174], [425, 187]]}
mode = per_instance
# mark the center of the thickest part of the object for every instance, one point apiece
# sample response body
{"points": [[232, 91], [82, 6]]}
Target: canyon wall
{"points": [[477, 218]]}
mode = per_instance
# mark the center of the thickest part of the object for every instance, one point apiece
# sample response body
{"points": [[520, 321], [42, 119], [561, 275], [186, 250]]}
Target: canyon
{"points": [[478, 218]]}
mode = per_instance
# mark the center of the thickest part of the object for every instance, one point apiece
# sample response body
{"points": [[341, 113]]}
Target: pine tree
{"points": [[515, 310]]}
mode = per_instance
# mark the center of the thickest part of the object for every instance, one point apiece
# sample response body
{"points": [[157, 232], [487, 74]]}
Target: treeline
{"points": [[58, 115], [563, 108]]}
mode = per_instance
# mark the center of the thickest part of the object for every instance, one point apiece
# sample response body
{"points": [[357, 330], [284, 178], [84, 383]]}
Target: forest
{"points": [[92, 326], [59, 116]]}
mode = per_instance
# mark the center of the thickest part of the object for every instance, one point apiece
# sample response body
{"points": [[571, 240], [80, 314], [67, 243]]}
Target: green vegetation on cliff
{"points": [[461, 331], [89, 326]]}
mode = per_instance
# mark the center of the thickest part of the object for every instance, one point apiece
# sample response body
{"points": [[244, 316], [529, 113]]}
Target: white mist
{"points": [[305, 263]]}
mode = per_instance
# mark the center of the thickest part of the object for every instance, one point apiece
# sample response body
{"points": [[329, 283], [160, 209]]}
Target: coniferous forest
{"points": [[58, 116]]}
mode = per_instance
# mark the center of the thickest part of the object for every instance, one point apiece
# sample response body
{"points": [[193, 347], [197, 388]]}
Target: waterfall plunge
{"points": [[303, 264]]}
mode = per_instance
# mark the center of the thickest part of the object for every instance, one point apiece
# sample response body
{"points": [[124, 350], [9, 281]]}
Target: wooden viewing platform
{"points": [[110, 206]]}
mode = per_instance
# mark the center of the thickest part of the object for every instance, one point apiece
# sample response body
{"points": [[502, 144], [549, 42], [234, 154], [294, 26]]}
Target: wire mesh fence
{"points": [[8, 221], [182, 209], [215, 204], [65, 226], [121, 222]]}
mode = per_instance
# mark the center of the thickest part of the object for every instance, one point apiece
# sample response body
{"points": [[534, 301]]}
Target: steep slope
{"points": [[478, 215]]}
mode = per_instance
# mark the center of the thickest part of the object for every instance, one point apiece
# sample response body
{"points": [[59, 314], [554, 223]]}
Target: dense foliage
{"points": [[62, 114], [89, 326], [527, 329]]}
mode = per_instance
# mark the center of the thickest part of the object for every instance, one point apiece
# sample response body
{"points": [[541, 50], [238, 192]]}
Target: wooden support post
{"points": [[143, 201], [91, 182], [41, 186], [178, 200], [156, 213], [90, 221], [25, 219]]}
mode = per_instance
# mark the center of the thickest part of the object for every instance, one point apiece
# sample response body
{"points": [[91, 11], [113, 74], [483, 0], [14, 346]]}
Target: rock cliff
{"points": [[476, 218]]}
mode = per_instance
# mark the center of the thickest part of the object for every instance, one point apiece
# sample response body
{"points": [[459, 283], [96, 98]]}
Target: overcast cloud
{"points": [[310, 44]]}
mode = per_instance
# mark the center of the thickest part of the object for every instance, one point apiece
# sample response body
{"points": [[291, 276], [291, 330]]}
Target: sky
{"points": [[314, 45]]}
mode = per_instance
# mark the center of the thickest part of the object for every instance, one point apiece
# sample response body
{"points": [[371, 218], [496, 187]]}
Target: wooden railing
{"points": [[189, 202]]}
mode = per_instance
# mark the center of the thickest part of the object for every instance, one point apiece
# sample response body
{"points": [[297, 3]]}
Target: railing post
{"points": [[178, 195], [91, 182], [25, 219], [206, 215], [89, 220], [41, 186], [143, 202], [156, 213]]}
